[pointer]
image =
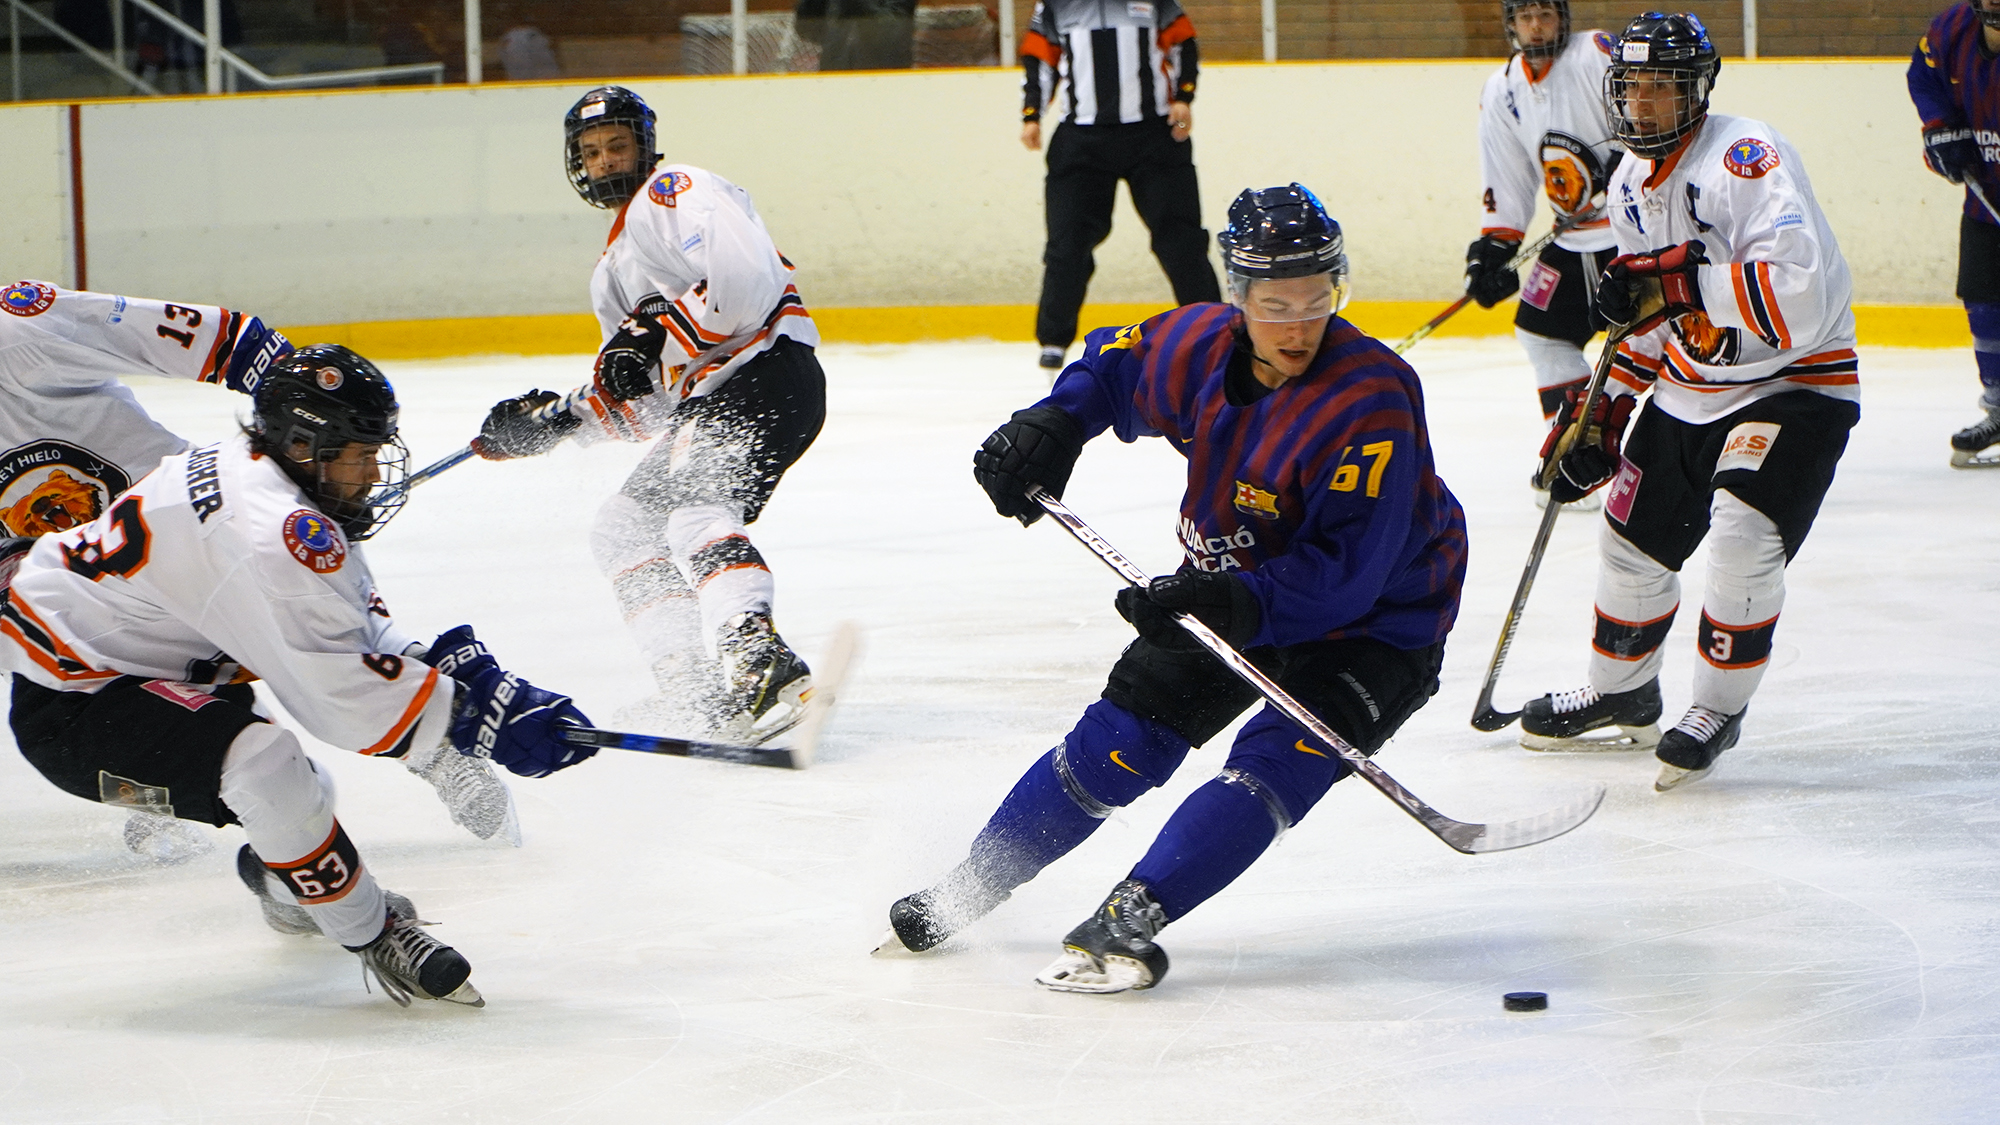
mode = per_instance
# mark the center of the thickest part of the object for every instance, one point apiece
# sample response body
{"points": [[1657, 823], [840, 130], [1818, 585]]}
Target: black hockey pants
{"points": [[1085, 164]]}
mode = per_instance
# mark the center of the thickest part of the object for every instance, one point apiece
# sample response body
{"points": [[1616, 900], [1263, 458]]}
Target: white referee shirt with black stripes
{"points": [[1114, 61]]}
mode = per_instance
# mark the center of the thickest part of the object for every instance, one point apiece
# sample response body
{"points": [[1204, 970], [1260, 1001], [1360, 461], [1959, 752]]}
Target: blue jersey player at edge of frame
{"points": [[1954, 81], [1319, 541]]}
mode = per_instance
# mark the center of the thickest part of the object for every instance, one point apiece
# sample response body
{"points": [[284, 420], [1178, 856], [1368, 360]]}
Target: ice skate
{"points": [[478, 800], [1113, 949], [288, 917], [1968, 444], [1051, 362], [1560, 720], [408, 962], [768, 685], [164, 839], [925, 919], [1688, 752]]}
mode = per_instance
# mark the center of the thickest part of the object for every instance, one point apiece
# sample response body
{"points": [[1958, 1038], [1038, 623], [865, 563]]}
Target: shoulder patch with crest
{"points": [[666, 190], [27, 298], [312, 539], [1750, 158]]}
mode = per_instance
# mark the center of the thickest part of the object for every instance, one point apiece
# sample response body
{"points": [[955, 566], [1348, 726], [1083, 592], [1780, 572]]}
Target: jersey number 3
{"points": [[116, 545]]}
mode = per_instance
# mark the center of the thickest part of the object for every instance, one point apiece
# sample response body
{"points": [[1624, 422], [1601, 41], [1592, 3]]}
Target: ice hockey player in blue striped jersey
{"points": [[1319, 541]]}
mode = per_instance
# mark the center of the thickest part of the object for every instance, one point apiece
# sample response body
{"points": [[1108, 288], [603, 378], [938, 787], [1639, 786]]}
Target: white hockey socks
{"points": [[728, 575], [1557, 364], [1740, 602], [630, 544], [286, 805], [1636, 601]]}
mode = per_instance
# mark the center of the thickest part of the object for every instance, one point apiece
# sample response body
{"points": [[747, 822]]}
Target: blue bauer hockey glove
{"points": [[502, 716]]}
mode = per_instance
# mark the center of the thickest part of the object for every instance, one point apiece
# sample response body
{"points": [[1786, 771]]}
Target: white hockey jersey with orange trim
{"points": [[1777, 294], [214, 569], [693, 238], [1547, 136], [71, 436]]}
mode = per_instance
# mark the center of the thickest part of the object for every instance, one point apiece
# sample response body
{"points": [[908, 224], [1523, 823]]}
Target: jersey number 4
{"points": [[116, 545]]}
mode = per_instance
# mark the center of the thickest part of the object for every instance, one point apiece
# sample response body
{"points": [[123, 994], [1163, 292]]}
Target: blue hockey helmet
{"points": [[1282, 232]]}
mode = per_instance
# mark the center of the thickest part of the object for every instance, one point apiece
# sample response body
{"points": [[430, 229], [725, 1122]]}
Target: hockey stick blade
{"points": [[777, 757], [1471, 839], [1485, 717]]}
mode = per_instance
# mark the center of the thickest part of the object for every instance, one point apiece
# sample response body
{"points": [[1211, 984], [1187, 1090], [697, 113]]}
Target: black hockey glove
{"points": [[501, 716], [1223, 603], [1488, 278], [526, 426], [1585, 456], [1950, 151], [626, 363], [1639, 291], [1038, 445]]}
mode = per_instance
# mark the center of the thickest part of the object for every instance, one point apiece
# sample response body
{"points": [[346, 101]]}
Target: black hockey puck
{"points": [[1525, 1001]]}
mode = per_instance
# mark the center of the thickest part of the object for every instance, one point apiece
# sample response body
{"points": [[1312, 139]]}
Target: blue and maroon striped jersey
{"points": [[1321, 495], [1954, 81]]}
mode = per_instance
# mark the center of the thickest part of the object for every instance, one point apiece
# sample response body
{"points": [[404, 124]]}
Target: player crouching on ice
{"points": [[708, 347], [133, 637], [1738, 299], [1319, 541]]}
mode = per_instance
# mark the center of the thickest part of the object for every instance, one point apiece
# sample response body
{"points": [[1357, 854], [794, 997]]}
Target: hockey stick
{"points": [[426, 473], [1484, 717], [1980, 194], [779, 757], [1472, 839], [1521, 258]]}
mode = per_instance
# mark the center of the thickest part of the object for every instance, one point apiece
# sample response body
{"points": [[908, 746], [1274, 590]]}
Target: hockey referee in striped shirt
{"points": [[1126, 69]]}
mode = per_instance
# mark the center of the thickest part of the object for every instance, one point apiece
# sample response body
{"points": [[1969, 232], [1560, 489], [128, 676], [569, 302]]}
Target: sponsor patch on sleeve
{"points": [[312, 539], [27, 298], [1747, 446], [1750, 158], [1788, 220]]}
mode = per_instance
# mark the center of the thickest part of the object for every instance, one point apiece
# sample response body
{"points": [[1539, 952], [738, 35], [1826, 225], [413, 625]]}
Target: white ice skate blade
{"points": [[1078, 972], [1962, 459], [1627, 738], [467, 995], [1672, 777], [891, 945]]}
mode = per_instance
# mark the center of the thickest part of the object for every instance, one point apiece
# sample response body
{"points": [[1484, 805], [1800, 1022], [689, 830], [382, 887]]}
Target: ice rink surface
{"points": [[1810, 935]]}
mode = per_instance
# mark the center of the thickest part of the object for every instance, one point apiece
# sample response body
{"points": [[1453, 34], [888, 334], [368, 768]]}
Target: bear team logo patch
{"points": [[1750, 158], [666, 189], [313, 540], [50, 486], [27, 298]]}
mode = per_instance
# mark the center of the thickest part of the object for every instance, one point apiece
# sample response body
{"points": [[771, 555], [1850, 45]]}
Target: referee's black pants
{"points": [[1085, 164]]}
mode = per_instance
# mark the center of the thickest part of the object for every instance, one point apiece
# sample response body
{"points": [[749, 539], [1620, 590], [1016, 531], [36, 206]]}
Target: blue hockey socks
{"points": [[1985, 321], [1105, 762], [1216, 834]]}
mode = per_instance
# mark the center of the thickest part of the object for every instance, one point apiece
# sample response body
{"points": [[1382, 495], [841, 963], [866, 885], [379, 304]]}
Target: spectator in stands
{"points": [[860, 34]]}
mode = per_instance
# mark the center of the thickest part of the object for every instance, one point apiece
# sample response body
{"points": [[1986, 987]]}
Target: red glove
{"points": [[1642, 290], [1585, 456]]}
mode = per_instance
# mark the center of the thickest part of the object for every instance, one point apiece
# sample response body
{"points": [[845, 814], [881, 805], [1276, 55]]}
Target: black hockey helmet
{"points": [[1540, 51], [609, 105], [1660, 48], [1281, 232], [309, 407]]}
